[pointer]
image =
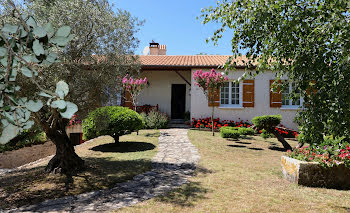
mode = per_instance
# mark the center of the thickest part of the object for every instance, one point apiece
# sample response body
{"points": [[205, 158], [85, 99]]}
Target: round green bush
{"points": [[111, 120], [267, 122]]}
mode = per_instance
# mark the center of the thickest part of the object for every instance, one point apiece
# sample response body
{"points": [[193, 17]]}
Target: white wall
{"points": [[200, 109], [159, 90]]}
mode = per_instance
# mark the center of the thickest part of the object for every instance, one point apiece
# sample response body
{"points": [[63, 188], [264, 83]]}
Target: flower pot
{"points": [[314, 175]]}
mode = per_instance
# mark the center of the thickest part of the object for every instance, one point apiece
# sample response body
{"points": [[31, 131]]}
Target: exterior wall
{"points": [[159, 90], [200, 109]]}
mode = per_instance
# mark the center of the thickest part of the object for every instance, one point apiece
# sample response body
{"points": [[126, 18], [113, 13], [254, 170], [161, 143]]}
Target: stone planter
{"points": [[313, 174]]}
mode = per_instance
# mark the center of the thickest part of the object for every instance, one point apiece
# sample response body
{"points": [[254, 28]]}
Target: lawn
{"points": [[243, 176], [106, 166]]}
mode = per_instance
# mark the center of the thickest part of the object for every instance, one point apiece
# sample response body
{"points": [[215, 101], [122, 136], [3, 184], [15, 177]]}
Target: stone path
{"points": [[175, 161]]}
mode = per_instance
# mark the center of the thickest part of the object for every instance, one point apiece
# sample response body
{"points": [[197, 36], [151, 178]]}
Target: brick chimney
{"points": [[156, 49]]}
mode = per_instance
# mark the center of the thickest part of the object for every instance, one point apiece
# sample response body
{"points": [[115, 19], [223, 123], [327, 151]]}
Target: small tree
{"points": [[210, 83], [111, 120], [269, 123], [134, 87]]}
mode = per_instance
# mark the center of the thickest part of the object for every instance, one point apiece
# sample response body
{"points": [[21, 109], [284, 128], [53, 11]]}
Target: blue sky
{"points": [[174, 23]]}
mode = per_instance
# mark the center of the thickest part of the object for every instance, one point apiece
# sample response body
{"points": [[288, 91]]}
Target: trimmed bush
{"points": [[229, 132], [155, 120], [111, 120], [264, 134], [267, 122], [246, 131]]}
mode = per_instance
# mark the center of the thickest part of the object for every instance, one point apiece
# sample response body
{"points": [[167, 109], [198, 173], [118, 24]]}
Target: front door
{"points": [[178, 101]]}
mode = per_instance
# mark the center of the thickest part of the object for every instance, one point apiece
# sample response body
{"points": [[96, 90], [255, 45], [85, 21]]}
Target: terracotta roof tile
{"points": [[187, 60]]}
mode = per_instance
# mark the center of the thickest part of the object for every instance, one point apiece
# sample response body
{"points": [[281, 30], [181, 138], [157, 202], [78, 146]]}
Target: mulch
{"points": [[15, 158]]}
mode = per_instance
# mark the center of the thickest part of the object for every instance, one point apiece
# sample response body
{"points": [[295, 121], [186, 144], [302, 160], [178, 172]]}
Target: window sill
{"points": [[290, 108], [231, 107]]}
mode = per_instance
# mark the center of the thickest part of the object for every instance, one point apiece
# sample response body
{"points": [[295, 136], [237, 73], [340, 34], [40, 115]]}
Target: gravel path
{"points": [[175, 161]]}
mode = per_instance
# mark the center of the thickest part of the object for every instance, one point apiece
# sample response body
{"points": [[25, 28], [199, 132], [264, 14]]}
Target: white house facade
{"points": [[172, 88]]}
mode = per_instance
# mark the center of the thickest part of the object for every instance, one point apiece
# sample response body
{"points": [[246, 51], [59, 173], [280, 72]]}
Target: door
{"points": [[178, 101]]}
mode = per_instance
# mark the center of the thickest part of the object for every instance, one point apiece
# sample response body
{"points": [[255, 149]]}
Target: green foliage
{"points": [[27, 48], [229, 132], [99, 30], [26, 138], [306, 41], [111, 120], [267, 122], [155, 120], [246, 131], [265, 134]]}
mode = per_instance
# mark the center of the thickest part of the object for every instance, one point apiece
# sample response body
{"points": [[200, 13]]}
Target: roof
{"points": [[186, 61]]}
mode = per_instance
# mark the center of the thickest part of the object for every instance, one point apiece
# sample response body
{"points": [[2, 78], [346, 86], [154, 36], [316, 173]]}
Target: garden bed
{"points": [[313, 174]]}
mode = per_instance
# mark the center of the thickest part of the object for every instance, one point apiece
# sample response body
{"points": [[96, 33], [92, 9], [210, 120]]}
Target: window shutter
{"points": [[215, 96], [310, 90], [128, 101], [248, 93], [275, 97]]}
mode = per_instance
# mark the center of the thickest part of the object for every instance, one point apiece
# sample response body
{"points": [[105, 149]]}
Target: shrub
{"points": [[155, 120], [27, 138], [264, 134], [206, 123], [246, 131], [267, 122], [111, 120], [229, 132], [329, 153]]}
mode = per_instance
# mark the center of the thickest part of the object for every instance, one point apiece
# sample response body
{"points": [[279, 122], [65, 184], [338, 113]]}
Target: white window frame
{"points": [[240, 105], [290, 106]]}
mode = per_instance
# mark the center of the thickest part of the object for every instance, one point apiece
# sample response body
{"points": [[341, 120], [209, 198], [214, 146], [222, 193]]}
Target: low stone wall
{"points": [[313, 174]]}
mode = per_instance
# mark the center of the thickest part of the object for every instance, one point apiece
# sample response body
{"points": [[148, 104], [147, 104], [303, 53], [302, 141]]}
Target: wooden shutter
{"points": [[128, 101], [311, 90], [248, 93], [275, 97], [215, 96]]}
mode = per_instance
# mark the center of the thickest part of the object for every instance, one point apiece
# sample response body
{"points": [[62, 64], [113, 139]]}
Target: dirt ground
{"points": [[26, 155]]}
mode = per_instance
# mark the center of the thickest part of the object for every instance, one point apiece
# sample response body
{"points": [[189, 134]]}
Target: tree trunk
{"points": [[65, 161], [116, 140], [212, 120], [283, 141]]}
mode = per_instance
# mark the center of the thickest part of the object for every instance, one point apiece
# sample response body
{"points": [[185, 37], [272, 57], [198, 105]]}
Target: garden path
{"points": [[175, 161]]}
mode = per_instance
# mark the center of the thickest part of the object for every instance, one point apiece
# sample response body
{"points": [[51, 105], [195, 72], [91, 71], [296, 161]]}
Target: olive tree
{"points": [[98, 55], [306, 41], [26, 49]]}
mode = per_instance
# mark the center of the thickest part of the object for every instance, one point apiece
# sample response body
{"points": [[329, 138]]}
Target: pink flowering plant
{"points": [[134, 87], [331, 152], [210, 83]]}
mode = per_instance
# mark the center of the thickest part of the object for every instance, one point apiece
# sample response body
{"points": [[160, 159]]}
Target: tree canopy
{"points": [[306, 41]]}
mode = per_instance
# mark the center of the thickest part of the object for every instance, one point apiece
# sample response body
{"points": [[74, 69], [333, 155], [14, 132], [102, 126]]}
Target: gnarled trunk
{"points": [[116, 139], [282, 140], [65, 161]]}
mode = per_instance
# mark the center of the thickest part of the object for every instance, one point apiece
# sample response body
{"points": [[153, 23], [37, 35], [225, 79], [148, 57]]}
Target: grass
{"points": [[106, 166], [243, 176]]}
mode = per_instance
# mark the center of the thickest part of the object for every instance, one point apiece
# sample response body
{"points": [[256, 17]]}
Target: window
{"points": [[114, 97], [230, 94], [288, 100]]}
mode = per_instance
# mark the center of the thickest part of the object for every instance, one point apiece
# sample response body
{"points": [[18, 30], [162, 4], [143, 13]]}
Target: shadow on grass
{"points": [[185, 196], [237, 146], [254, 148], [124, 147], [32, 186], [276, 148], [188, 194]]}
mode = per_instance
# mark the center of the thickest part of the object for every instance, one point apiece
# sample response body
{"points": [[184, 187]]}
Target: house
{"points": [[172, 88]]}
